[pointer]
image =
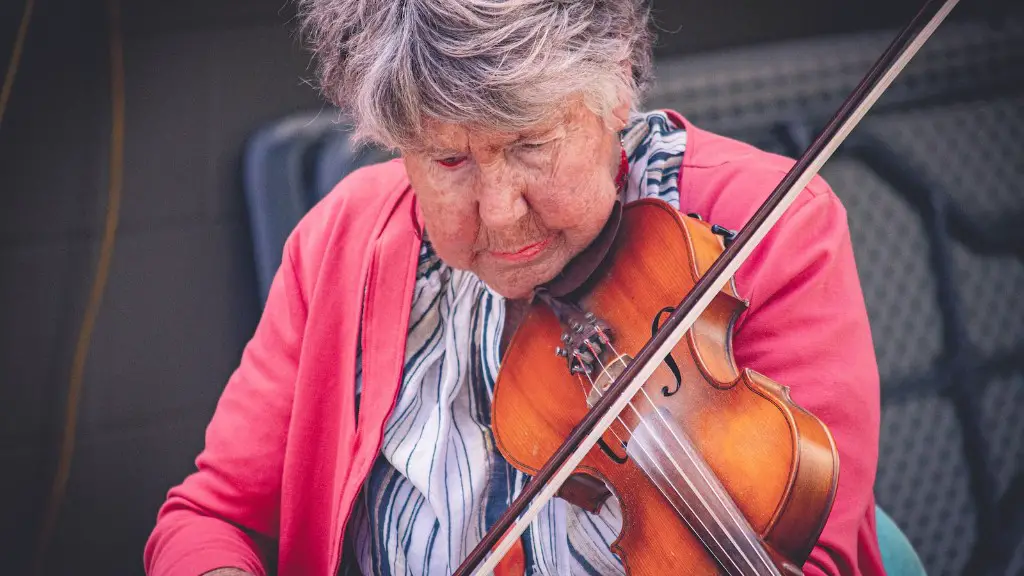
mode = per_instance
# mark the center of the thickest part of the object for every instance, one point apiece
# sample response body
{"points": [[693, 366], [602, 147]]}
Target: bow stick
{"points": [[550, 478]]}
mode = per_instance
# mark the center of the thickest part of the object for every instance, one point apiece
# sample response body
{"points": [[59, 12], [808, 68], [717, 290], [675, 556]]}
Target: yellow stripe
{"points": [[15, 60], [67, 444]]}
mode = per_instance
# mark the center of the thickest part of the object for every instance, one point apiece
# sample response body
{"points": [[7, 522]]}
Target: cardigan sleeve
{"points": [[807, 328], [225, 514]]}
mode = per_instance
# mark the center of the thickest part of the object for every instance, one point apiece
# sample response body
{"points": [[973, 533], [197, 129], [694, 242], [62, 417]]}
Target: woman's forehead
{"points": [[438, 136]]}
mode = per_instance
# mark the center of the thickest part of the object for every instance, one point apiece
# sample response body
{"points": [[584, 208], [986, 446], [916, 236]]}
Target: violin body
{"points": [[776, 463]]}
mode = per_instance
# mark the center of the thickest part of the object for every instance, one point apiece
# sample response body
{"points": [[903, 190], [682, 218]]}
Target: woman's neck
{"points": [[515, 310]]}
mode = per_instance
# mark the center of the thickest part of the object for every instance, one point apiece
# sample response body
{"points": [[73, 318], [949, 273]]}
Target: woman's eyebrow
{"points": [[536, 134], [433, 150]]}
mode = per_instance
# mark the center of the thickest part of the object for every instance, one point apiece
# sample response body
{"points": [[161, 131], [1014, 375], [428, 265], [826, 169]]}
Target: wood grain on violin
{"points": [[715, 468]]}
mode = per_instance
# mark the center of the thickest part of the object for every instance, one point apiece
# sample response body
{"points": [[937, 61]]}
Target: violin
{"points": [[621, 382], [703, 445]]}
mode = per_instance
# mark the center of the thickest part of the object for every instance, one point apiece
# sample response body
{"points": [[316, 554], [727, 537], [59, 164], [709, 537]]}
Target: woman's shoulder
{"points": [[362, 193], [348, 221], [355, 204], [726, 179]]}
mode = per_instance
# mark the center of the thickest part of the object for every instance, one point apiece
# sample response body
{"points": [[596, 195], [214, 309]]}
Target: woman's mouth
{"points": [[524, 253]]}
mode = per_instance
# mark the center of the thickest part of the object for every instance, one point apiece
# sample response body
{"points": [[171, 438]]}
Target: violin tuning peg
{"points": [[565, 338], [590, 317], [561, 352]]}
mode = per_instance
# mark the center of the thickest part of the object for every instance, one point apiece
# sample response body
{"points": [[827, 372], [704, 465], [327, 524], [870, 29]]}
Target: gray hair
{"points": [[503, 64]]}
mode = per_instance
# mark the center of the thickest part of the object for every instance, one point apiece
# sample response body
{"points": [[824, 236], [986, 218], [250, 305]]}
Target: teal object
{"points": [[898, 555]]}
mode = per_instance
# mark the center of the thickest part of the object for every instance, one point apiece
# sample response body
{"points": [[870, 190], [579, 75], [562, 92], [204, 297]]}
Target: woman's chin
{"points": [[518, 283], [512, 290], [516, 286]]}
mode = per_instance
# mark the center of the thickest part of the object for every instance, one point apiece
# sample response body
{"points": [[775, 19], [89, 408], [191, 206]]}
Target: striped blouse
{"points": [[440, 481]]}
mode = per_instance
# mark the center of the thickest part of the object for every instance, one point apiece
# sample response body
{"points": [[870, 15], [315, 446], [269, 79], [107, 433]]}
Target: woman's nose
{"points": [[501, 197]]}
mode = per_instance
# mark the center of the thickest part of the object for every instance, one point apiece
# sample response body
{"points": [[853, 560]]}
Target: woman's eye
{"points": [[533, 145], [452, 161]]}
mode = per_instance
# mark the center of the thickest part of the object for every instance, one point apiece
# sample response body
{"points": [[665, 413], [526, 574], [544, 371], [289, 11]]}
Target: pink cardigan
{"points": [[285, 457]]}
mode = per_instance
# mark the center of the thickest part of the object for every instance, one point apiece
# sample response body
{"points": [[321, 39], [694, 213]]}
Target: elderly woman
{"points": [[355, 434]]}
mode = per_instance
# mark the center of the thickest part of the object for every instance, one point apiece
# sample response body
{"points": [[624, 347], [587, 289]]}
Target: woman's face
{"points": [[514, 208]]}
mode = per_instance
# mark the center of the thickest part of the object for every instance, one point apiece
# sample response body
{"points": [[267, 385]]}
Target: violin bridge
{"points": [[606, 377]]}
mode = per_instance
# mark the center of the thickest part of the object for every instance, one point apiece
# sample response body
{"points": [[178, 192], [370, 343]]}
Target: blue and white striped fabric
{"points": [[440, 482]]}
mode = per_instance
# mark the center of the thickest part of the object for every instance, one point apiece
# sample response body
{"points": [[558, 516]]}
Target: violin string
{"points": [[724, 500], [693, 461], [642, 447], [669, 479], [737, 521]]}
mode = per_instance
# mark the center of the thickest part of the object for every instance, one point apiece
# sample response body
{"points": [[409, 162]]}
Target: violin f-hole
{"points": [[611, 453], [669, 361]]}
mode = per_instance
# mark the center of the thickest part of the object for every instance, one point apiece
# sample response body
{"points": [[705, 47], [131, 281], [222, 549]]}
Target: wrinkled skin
{"points": [[514, 208]]}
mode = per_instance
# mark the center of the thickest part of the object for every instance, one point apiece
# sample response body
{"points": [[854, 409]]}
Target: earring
{"points": [[620, 178]]}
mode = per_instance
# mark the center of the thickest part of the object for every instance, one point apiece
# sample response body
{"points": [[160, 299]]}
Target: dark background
{"points": [[201, 76]]}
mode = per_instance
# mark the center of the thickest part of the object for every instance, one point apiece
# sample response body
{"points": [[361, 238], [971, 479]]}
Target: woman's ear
{"points": [[620, 113]]}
